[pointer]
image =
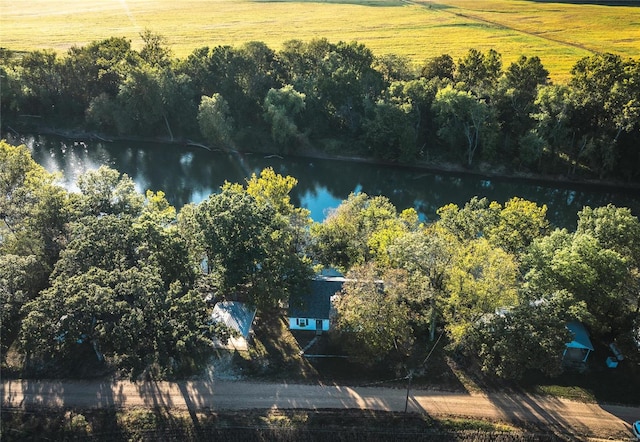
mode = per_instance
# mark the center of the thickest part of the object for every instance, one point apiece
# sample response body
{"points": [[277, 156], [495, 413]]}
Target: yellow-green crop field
{"points": [[559, 33]]}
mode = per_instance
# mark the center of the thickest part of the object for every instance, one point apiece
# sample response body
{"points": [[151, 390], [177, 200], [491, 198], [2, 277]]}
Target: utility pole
{"points": [[406, 402], [410, 375]]}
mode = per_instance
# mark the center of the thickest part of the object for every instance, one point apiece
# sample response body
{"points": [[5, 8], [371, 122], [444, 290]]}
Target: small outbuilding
{"points": [[238, 317], [580, 347], [312, 310]]}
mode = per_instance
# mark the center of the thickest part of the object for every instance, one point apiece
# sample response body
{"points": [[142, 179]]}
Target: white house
{"points": [[312, 311]]}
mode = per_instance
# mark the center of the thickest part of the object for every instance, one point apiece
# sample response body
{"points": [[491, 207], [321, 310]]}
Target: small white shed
{"points": [[239, 318]]}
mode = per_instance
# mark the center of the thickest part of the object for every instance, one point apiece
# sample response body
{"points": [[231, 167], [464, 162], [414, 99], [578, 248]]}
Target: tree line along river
{"points": [[188, 174]]}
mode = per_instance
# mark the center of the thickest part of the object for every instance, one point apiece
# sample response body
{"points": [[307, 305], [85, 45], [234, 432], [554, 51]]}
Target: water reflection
{"points": [[192, 174]]}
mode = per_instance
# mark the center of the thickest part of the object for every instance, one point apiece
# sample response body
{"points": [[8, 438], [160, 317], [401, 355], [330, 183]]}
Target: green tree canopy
{"points": [[480, 280], [530, 336], [127, 316], [123, 287], [106, 191], [441, 66], [512, 227], [425, 254], [214, 117], [281, 106], [33, 209], [359, 230], [252, 252], [466, 124], [513, 98], [372, 316], [478, 71], [597, 264], [390, 133], [96, 69], [155, 50]]}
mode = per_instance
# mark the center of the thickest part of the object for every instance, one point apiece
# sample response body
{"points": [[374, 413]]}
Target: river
{"points": [[188, 174]]}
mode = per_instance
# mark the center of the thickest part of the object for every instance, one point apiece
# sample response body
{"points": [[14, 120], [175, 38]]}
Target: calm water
{"points": [[192, 174]]}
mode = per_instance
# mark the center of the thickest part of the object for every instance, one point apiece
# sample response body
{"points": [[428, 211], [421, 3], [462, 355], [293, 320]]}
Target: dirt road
{"points": [[564, 416]]}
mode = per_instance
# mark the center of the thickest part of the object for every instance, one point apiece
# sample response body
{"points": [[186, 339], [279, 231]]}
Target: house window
{"points": [[302, 322]]}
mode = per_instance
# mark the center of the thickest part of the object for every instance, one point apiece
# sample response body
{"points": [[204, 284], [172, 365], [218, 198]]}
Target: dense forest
{"points": [[108, 277], [339, 98]]}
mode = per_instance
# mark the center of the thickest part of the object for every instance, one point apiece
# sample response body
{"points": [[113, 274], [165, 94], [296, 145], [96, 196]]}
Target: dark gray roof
{"points": [[316, 304]]}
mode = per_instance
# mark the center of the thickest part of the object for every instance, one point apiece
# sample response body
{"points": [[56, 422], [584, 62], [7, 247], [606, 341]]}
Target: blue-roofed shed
{"points": [[239, 318], [580, 347], [312, 310]]}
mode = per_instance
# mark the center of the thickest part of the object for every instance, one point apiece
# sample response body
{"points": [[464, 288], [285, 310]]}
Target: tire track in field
{"points": [[501, 25]]}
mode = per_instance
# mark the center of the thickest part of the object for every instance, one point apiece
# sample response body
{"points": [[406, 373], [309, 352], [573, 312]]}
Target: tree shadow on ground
{"points": [[274, 353], [537, 402], [333, 366]]}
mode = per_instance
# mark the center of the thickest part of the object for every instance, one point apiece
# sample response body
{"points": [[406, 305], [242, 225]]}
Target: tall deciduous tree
{"points": [[480, 280], [139, 102], [614, 227], [42, 83], [18, 284], [425, 254], [597, 264], [34, 213], [555, 111], [393, 68], [519, 223], [33, 210], [127, 316], [251, 251], [390, 134], [593, 79], [372, 317], [441, 67], [512, 227], [122, 288], [466, 124], [155, 50], [258, 72], [531, 336], [415, 98], [474, 220], [214, 118], [96, 69], [359, 230], [513, 99], [338, 80], [478, 71], [281, 107], [106, 191], [525, 75]]}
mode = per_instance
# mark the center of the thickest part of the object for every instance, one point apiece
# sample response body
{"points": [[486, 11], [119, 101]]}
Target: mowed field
{"points": [[559, 33]]}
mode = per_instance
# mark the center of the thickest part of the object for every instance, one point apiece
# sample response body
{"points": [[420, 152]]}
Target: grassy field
{"points": [[559, 33]]}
